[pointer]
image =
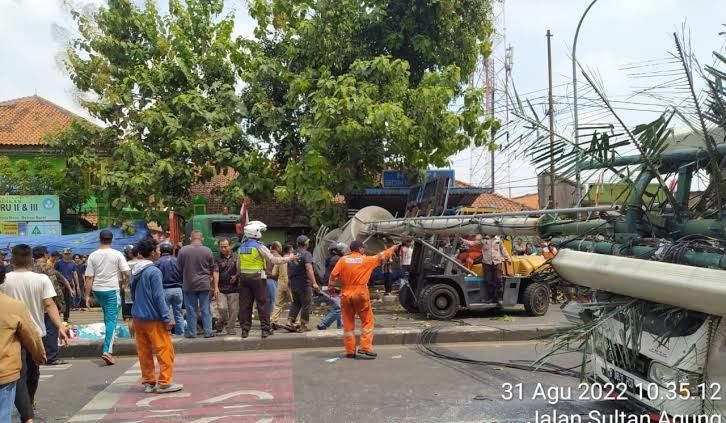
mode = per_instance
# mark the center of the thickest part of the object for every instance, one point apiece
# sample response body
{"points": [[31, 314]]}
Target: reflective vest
{"points": [[250, 259]]}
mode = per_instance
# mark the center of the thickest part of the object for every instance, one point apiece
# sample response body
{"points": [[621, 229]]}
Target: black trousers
{"points": [[26, 386], [125, 308], [493, 279], [387, 282], [253, 288], [68, 299], [302, 299]]}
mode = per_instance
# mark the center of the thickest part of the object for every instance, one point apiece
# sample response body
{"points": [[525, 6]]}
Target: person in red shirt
{"points": [[352, 273]]}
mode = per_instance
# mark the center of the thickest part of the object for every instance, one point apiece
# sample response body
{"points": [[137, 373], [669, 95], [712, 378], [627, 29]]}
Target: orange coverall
{"points": [[354, 271], [469, 256]]}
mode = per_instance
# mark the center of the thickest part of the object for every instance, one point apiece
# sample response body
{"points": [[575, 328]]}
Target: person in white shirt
{"points": [[406, 256], [36, 291], [106, 272]]}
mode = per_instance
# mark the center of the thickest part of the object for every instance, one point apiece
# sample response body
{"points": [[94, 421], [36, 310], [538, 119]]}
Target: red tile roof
{"points": [[529, 200], [462, 184], [501, 203], [214, 203], [274, 213], [25, 121]]}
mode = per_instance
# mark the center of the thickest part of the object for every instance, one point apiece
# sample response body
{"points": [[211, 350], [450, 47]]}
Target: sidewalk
{"points": [[394, 326]]}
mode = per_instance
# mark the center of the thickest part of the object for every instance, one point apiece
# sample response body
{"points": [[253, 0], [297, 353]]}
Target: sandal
{"points": [[290, 328], [108, 358]]}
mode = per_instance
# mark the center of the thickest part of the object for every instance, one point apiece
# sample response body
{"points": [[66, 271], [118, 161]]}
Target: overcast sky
{"points": [[615, 33]]}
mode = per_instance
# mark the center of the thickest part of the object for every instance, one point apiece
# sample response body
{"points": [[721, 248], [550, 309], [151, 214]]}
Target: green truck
{"points": [[215, 227]]}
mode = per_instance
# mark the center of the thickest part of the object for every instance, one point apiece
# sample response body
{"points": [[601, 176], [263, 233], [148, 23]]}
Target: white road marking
{"points": [[212, 419], [147, 401], [57, 367], [45, 377], [97, 408], [259, 394]]}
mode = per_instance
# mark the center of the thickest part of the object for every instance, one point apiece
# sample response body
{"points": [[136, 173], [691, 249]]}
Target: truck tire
{"points": [[440, 302], [407, 299], [536, 299]]}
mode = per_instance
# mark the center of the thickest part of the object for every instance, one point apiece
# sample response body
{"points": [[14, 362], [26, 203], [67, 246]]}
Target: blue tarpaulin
{"points": [[83, 244]]}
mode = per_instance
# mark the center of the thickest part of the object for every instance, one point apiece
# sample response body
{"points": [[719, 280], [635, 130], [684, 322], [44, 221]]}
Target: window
{"points": [[224, 229]]}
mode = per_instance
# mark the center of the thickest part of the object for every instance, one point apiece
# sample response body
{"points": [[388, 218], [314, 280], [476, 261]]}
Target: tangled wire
{"points": [[426, 346], [675, 251]]}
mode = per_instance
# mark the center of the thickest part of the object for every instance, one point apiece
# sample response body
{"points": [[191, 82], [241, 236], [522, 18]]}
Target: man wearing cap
{"points": [[106, 273], [253, 278], [352, 273], [302, 284], [67, 270]]}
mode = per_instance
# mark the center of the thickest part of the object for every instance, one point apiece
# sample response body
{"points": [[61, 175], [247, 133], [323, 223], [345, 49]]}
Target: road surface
{"points": [[405, 384]]}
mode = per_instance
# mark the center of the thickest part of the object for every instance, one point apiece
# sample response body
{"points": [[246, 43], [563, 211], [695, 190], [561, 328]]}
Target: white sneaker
{"points": [[149, 388], [165, 389]]}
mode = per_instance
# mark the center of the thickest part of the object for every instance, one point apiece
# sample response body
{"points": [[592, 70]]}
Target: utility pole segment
{"points": [[552, 122]]}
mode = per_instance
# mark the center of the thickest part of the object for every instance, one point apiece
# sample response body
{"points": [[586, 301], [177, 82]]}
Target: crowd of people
{"points": [[70, 269], [31, 326], [163, 291], [533, 248]]}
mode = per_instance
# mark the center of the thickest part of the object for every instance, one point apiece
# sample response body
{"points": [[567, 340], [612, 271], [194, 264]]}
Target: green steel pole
{"points": [[692, 258]]}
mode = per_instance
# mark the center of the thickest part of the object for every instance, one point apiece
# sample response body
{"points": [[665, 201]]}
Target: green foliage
{"points": [[41, 177], [341, 90], [332, 93], [164, 86]]}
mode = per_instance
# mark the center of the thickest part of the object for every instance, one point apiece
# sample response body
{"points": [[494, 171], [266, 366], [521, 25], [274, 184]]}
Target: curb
{"points": [[325, 339]]}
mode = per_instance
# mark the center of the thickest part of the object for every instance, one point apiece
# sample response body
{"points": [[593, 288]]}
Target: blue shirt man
{"points": [[68, 268]]}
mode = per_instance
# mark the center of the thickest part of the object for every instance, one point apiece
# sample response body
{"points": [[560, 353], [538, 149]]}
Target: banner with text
{"points": [[29, 208]]}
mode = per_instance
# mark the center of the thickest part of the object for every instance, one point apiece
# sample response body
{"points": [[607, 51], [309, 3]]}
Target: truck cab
{"points": [[214, 227], [676, 368], [440, 286]]}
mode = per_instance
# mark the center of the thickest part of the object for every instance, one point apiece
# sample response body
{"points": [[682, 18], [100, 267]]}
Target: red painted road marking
{"points": [[218, 388]]}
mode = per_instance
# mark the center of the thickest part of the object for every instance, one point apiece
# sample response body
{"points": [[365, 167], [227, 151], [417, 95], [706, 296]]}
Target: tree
{"points": [[332, 93], [41, 177], [341, 90], [164, 87]]}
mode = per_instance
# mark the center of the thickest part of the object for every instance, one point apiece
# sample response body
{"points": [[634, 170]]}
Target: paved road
{"points": [[403, 385]]}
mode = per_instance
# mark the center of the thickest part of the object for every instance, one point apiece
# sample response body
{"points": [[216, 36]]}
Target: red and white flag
{"points": [[598, 188], [673, 185], [243, 215]]}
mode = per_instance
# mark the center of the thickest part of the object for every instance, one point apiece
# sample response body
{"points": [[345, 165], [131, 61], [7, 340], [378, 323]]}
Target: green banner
{"points": [[29, 208]]}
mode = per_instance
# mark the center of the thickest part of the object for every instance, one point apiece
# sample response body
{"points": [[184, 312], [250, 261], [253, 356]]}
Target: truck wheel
{"points": [[536, 299], [407, 299], [440, 301]]}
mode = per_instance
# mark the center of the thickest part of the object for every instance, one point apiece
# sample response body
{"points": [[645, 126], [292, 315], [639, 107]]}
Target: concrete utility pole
{"points": [[492, 114], [552, 122], [507, 72]]}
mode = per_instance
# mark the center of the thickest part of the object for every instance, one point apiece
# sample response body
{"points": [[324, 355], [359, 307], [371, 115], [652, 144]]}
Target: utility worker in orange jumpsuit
{"points": [[474, 252], [352, 273]]}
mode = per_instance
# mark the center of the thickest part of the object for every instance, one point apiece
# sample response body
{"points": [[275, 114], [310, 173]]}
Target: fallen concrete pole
{"points": [[461, 226], [689, 287]]}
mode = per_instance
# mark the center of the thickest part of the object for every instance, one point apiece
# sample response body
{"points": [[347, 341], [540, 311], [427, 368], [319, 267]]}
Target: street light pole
{"points": [[574, 101]]}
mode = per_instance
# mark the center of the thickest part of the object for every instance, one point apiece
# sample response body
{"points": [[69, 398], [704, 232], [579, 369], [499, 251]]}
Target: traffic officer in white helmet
{"points": [[253, 280]]}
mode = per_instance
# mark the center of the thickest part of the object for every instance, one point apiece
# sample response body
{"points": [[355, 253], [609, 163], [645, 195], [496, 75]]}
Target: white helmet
{"points": [[254, 229]]}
